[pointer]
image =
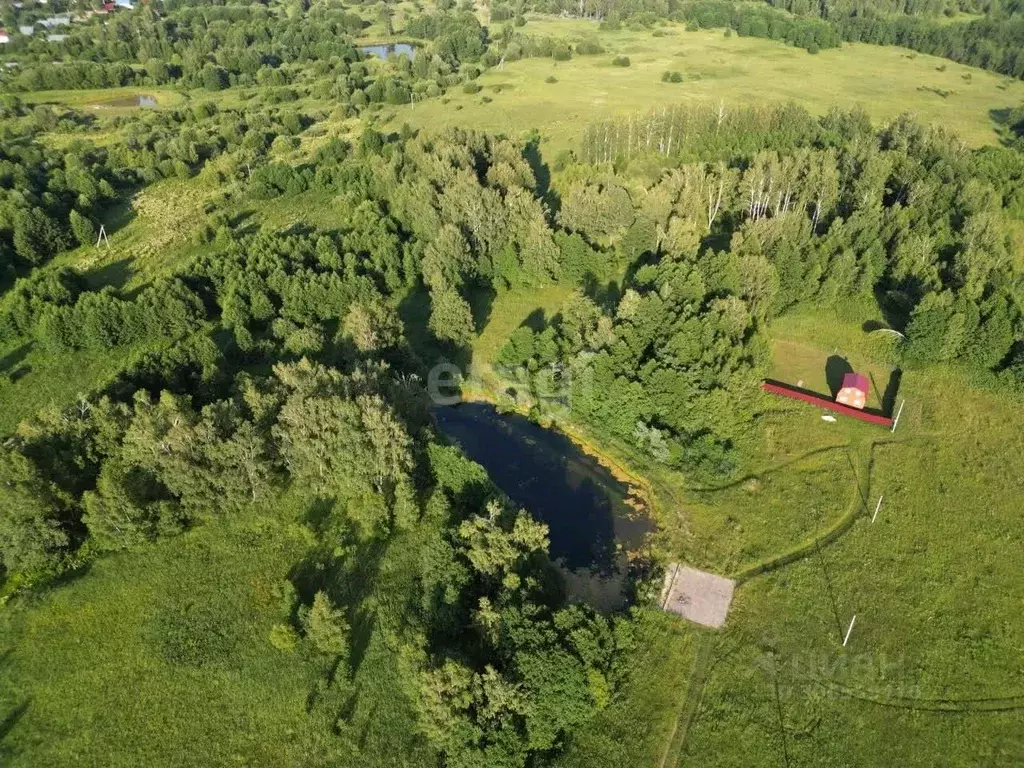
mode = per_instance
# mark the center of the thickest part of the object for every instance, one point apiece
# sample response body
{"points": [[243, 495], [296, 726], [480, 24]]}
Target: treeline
{"points": [[749, 20], [994, 42], [708, 131]]}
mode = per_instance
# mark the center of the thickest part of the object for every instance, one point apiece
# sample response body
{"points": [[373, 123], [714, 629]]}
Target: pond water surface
{"points": [[383, 51], [591, 521], [142, 100]]}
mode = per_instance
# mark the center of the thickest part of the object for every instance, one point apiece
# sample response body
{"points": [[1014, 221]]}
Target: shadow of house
{"points": [[836, 368]]}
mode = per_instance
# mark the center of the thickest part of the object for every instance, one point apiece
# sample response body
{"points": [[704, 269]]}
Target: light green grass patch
{"points": [[100, 99], [161, 656], [510, 310], [32, 379], [738, 71]]}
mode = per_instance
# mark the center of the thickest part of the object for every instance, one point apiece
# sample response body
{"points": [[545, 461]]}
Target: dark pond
{"points": [[591, 524], [383, 51]]}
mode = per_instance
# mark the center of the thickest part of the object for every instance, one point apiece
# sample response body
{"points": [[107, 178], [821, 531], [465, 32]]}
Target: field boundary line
{"points": [[952, 706]]}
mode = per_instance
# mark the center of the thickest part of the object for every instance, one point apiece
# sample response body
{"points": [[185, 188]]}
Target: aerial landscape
{"points": [[512, 383]]}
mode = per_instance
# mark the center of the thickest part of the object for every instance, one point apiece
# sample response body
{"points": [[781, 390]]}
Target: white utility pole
{"points": [[848, 631], [898, 414]]}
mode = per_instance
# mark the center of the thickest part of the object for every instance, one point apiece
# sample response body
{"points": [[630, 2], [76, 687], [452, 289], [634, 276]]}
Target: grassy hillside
{"points": [[738, 71]]}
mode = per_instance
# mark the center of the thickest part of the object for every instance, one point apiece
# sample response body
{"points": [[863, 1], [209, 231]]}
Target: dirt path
{"points": [[702, 664]]}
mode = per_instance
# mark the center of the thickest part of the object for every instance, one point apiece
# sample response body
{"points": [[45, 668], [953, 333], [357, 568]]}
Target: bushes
{"points": [[620, 61], [471, 88], [102, 320], [672, 77], [589, 47], [562, 53]]}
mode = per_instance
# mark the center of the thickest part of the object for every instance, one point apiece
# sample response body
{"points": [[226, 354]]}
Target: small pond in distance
{"points": [[383, 51], [590, 520], [142, 100]]}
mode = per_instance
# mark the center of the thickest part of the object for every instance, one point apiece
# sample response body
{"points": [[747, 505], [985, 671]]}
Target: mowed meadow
{"points": [[886, 81]]}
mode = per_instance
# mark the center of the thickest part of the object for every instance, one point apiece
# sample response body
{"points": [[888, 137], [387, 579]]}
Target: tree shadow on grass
{"points": [[481, 302], [541, 172], [114, 274], [7, 725], [13, 359], [120, 214], [1010, 123], [414, 310]]}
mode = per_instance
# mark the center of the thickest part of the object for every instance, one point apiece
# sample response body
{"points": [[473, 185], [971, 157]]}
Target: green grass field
{"points": [[160, 656], [103, 101], [887, 81]]}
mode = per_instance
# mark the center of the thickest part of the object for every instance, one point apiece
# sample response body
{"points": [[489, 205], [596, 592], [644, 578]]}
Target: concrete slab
{"points": [[698, 596]]}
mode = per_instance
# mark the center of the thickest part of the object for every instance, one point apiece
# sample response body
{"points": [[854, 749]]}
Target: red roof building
{"points": [[854, 392]]}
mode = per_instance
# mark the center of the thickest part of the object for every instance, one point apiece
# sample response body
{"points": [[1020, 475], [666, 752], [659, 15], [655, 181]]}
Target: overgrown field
{"points": [[737, 71], [163, 656]]}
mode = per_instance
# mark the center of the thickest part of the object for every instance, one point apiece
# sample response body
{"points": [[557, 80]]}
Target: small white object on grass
{"points": [[878, 506], [829, 418]]}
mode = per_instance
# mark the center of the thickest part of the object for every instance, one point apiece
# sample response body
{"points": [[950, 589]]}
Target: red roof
{"points": [[855, 381]]}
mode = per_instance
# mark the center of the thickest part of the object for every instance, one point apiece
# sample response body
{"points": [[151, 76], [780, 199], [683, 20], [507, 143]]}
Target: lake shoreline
{"points": [[639, 486]]}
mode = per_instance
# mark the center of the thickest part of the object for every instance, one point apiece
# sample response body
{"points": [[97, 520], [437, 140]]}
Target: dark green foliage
{"points": [[32, 514], [82, 228], [214, 78], [620, 61]]}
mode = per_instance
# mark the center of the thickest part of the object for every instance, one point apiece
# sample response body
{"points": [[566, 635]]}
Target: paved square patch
{"points": [[701, 597]]}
